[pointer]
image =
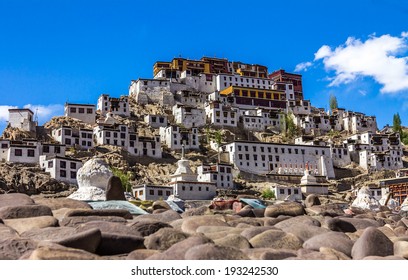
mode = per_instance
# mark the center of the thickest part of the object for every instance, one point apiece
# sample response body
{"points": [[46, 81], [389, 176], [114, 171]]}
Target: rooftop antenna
{"points": [[182, 151], [36, 115]]}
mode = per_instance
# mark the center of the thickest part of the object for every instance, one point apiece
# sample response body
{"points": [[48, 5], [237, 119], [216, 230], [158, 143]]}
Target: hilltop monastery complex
{"points": [[222, 95]]}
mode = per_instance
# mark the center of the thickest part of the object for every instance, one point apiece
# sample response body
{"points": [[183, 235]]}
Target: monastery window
{"points": [[323, 153], [108, 141], [270, 158], [296, 151], [281, 191], [246, 148], [283, 150], [50, 164], [57, 149], [18, 152], [73, 165], [151, 192], [183, 188], [276, 150], [254, 148], [123, 135], [296, 191], [108, 134], [160, 192], [73, 175], [317, 152], [289, 150], [81, 110], [168, 193], [115, 134], [255, 157], [199, 189], [303, 152], [276, 158], [253, 94], [115, 142], [67, 132], [68, 141], [63, 164], [247, 156], [46, 149], [232, 115], [263, 157], [89, 111], [30, 153], [240, 156], [63, 173], [191, 188]]}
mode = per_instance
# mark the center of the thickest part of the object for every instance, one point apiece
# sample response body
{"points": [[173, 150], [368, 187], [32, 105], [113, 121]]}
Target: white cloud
{"points": [[4, 112], [323, 52], [302, 66], [377, 58], [46, 112]]}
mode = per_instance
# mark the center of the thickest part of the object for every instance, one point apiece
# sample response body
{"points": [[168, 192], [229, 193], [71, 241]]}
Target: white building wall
{"points": [[263, 158], [224, 81], [220, 175], [22, 119], [220, 115], [173, 138], [83, 112], [4, 146], [145, 146], [156, 121], [61, 169], [118, 106], [189, 117], [148, 192], [23, 154], [194, 190], [282, 192], [116, 137]]}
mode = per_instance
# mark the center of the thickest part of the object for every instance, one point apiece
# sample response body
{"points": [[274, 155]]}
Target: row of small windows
{"points": [[81, 110], [247, 80], [63, 164], [289, 191], [183, 188]]}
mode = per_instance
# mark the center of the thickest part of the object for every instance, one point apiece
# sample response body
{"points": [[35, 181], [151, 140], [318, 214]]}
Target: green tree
{"points": [[218, 137], [124, 177], [288, 126], [333, 102], [396, 124], [267, 193]]}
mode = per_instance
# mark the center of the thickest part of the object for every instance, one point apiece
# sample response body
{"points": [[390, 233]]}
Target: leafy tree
{"points": [[396, 124], [267, 193], [124, 178], [218, 137], [288, 126], [333, 102]]}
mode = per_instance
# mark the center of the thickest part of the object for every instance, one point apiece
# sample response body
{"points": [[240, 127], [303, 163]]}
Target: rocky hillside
{"points": [[28, 179]]}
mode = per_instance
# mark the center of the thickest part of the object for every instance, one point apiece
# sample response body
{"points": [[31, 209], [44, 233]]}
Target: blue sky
{"points": [[57, 51]]}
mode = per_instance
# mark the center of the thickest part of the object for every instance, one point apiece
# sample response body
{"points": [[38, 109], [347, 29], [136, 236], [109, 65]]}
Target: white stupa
{"points": [[309, 184], [92, 178], [365, 200]]}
